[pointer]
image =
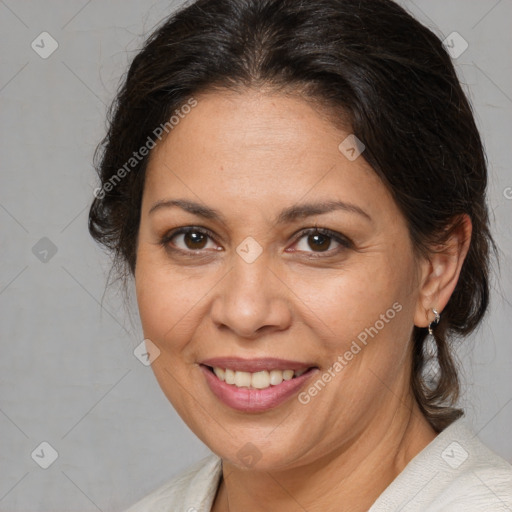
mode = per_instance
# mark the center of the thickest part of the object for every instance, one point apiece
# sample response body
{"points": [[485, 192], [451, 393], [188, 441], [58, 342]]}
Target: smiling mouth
{"points": [[256, 380]]}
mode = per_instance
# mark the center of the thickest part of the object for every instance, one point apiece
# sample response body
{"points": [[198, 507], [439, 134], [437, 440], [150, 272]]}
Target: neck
{"points": [[350, 478]]}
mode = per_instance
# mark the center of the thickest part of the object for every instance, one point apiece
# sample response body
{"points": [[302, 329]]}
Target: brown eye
{"points": [[319, 242], [189, 239], [195, 240]]}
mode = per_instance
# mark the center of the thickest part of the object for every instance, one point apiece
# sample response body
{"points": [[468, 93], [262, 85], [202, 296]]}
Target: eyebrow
{"points": [[287, 215]]}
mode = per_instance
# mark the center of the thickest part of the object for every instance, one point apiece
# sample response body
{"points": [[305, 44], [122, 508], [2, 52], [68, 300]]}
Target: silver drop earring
{"points": [[434, 322]]}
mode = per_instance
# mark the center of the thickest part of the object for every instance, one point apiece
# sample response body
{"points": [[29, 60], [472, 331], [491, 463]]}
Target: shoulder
{"points": [[193, 490], [456, 472], [476, 478]]}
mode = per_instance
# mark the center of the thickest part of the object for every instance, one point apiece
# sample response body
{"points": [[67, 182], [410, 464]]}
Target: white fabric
{"points": [[454, 473]]}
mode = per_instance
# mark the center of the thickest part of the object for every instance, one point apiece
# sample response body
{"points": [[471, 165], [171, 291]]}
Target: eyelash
{"points": [[344, 242]]}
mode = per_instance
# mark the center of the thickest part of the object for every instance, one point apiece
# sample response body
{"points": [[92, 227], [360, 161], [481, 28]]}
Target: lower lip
{"points": [[251, 399]]}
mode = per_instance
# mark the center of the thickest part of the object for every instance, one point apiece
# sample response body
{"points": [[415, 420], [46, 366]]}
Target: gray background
{"points": [[68, 374]]}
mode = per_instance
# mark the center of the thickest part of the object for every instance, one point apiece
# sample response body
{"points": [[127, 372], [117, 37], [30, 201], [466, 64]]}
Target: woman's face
{"points": [[255, 287]]}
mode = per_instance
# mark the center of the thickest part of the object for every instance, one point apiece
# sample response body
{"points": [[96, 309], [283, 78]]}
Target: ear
{"points": [[440, 272]]}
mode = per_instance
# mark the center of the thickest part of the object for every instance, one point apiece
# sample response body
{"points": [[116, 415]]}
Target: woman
{"points": [[298, 189]]}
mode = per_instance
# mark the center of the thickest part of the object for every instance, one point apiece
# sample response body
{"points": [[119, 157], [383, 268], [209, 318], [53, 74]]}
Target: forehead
{"points": [[261, 150]]}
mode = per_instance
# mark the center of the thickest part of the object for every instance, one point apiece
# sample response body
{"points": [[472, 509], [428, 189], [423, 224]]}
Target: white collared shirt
{"points": [[456, 472]]}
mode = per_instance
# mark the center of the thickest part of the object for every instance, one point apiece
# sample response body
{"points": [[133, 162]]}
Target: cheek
{"points": [[366, 295], [167, 300], [170, 308]]}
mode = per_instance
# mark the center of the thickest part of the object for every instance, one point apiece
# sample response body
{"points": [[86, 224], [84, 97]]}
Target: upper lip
{"points": [[255, 365]]}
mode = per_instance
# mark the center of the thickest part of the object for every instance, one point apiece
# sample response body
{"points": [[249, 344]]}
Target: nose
{"points": [[251, 300]]}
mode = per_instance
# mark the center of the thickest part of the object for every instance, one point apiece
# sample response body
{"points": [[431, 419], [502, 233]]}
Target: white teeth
{"points": [[288, 374], [257, 380], [242, 379], [229, 376], [220, 373], [276, 377], [260, 380]]}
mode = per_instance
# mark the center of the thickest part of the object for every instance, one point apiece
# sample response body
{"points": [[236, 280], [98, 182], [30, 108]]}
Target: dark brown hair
{"points": [[378, 70]]}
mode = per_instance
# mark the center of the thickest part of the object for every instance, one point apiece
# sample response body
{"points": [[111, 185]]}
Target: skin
{"points": [[249, 155]]}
